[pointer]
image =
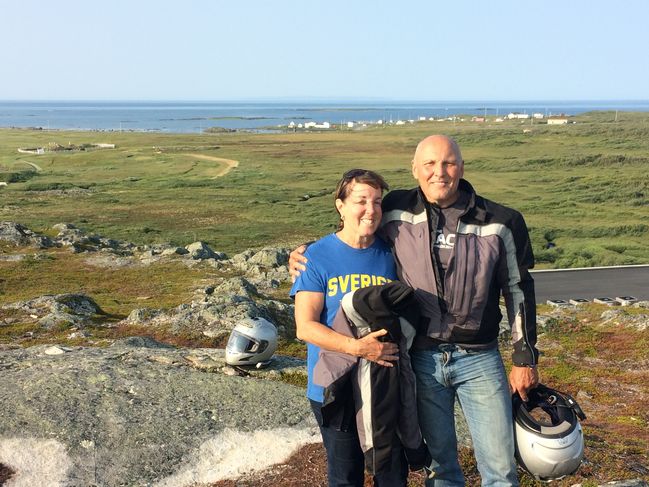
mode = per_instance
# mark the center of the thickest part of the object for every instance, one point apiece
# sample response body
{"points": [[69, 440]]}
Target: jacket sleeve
{"points": [[518, 291]]}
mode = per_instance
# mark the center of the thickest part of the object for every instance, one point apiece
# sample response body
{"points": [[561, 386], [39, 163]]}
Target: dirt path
{"points": [[230, 164], [33, 164]]}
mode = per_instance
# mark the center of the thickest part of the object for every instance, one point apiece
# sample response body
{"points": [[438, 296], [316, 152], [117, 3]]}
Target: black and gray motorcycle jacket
{"points": [[491, 257], [380, 400]]}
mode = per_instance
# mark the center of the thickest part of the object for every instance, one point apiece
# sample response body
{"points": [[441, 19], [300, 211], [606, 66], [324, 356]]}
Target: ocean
{"points": [[196, 116]]}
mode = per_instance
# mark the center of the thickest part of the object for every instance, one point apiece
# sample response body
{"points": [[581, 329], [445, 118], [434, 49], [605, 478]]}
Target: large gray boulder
{"points": [[19, 235], [136, 413]]}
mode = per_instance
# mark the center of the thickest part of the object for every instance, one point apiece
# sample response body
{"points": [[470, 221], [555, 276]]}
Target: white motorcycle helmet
{"points": [[549, 439], [253, 341]]}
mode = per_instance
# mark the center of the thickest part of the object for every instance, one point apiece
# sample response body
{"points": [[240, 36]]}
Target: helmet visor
{"points": [[240, 343]]}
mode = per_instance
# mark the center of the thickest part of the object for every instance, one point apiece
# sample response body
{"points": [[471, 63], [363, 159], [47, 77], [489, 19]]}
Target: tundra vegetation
{"points": [[583, 189]]}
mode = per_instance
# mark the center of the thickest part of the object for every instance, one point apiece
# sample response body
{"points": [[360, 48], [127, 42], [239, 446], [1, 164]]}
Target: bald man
{"points": [[460, 253]]}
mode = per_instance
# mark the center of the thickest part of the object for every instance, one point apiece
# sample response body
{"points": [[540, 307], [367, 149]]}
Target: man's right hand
{"points": [[296, 261]]}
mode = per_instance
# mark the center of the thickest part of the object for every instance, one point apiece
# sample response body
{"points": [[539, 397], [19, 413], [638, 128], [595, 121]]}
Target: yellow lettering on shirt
{"points": [[332, 286], [365, 280], [352, 282], [344, 282], [355, 281]]}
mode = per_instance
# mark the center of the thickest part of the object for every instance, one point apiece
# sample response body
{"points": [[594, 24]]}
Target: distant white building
{"points": [[350, 125], [308, 125], [559, 120], [379, 122], [537, 115], [499, 120], [291, 125], [516, 115], [323, 125], [422, 119], [400, 122]]}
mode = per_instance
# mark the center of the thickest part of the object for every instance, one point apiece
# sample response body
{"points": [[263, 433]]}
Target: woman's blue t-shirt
{"points": [[334, 269]]}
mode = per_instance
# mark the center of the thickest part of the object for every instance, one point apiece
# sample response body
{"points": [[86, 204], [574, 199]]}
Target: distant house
{"points": [[558, 120], [291, 125], [308, 125], [479, 119], [537, 115], [516, 115], [400, 122], [422, 119], [32, 150], [350, 125], [499, 120], [323, 125]]}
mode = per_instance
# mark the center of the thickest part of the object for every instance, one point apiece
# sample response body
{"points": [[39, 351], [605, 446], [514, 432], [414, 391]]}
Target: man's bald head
{"points": [[438, 167], [439, 141]]}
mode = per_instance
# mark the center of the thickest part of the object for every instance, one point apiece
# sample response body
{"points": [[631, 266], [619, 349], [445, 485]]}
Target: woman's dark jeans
{"points": [[345, 461]]}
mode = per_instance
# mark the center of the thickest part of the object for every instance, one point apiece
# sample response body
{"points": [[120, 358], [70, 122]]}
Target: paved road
{"points": [[591, 283]]}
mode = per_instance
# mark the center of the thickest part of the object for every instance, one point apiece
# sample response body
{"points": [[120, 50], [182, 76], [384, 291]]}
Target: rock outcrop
{"points": [[135, 413], [58, 310], [17, 234]]}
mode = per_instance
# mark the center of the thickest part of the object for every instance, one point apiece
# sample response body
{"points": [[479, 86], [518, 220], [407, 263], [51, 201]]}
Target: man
{"points": [[460, 252]]}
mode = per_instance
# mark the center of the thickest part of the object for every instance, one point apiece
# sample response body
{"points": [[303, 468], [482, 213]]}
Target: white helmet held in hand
{"points": [[252, 341], [549, 439]]}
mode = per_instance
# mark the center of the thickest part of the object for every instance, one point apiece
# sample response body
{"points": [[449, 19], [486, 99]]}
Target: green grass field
{"points": [[584, 186]]}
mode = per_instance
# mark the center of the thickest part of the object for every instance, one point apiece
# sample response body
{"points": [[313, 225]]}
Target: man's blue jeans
{"points": [[478, 379], [345, 460]]}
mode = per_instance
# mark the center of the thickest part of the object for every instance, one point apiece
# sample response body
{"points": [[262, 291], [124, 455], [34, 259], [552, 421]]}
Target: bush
{"points": [[17, 177]]}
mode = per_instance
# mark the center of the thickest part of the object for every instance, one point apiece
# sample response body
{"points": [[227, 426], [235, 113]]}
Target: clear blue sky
{"points": [[243, 49]]}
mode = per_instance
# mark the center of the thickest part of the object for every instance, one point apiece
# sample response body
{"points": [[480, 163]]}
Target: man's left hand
{"points": [[522, 379]]}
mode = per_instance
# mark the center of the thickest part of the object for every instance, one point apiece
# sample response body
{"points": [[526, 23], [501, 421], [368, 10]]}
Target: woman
{"points": [[343, 261]]}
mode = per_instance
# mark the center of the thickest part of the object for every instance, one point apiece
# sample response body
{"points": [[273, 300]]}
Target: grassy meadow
{"points": [[584, 186]]}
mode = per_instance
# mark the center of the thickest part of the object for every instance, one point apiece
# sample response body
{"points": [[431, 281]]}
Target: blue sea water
{"points": [[195, 116]]}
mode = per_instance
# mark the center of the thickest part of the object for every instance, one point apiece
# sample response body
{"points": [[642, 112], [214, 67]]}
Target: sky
{"points": [[333, 49]]}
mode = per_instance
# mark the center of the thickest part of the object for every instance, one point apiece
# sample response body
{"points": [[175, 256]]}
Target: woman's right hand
{"points": [[374, 350]]}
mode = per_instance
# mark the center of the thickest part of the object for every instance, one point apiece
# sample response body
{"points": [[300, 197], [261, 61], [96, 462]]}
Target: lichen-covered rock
{"points": [[17, 234], [202, 251], [130, 415], [59, 310]]}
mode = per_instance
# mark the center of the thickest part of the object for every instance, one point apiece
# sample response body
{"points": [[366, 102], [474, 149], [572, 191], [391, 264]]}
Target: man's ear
{"points": [[414, 169]]}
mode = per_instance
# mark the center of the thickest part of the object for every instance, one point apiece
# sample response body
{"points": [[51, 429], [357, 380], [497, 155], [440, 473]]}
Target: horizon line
{"points": [[328, 99]]}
